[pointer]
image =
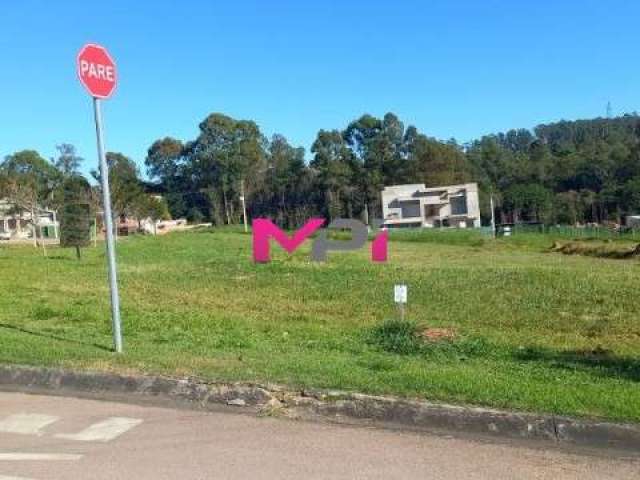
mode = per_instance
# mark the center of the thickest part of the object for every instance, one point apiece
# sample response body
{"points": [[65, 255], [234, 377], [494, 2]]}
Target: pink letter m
{"points": [[264, 230]]}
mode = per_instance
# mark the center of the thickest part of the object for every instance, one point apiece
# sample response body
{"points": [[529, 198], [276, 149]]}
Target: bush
{"points": [[75, 218], [195, 216], [397, 336], [405, 337]]}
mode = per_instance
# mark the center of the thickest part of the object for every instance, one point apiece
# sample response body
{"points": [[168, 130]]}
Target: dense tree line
{"points": [[205, 178], [565, 172]]}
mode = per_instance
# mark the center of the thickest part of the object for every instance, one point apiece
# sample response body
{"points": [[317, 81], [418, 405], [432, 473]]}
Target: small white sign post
{"points": [[400, 297]]}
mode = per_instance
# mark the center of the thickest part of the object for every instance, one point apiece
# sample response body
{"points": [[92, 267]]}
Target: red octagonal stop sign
{"points": [[96, 70]]}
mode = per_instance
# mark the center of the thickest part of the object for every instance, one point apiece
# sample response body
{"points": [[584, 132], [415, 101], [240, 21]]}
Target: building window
{"points": [[459, 205], [410, 209]]}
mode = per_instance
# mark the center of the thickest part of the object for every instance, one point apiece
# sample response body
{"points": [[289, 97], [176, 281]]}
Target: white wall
{"points": [[392, 193]]}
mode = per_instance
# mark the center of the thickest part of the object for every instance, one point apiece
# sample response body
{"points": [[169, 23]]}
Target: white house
{"points": [[19, 225], [633, 221], [415, 205]]}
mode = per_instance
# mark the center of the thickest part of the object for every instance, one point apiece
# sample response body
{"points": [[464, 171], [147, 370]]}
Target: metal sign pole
{"points": [[108, 222], [493, 217], [244, 206]]}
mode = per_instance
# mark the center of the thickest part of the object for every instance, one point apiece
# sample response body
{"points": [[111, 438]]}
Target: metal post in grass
{"points": [[244, 206], [493, 217], [108, 221], [97, 72]]}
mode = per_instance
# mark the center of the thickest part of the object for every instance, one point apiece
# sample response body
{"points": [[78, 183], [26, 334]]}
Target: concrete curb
{"points": [[334, 406]]}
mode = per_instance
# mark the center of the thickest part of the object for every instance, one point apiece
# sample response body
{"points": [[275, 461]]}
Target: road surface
{"points": [[52, 438]]}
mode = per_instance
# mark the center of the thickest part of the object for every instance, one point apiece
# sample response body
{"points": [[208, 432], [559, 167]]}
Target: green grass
{"points": [[534, 330]]}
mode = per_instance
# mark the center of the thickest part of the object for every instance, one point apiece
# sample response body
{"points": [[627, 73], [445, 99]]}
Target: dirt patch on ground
{"points": [[602, 250], [438, 334]]}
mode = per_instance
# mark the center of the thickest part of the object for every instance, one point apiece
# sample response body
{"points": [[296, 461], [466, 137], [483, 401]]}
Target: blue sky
{"points": [[452, 68]]}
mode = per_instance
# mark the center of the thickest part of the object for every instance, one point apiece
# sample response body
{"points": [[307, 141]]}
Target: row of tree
{"points": [[206, 178], [565, 172], [31, 183]]}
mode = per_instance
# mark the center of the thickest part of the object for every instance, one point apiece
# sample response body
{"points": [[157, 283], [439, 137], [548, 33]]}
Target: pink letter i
{"points": [[379, 247]]}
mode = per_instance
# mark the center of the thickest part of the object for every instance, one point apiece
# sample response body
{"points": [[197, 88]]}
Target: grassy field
{"points": [[532, 330]]}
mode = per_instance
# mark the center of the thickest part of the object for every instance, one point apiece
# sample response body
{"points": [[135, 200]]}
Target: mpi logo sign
{"points": [[264, 230]]}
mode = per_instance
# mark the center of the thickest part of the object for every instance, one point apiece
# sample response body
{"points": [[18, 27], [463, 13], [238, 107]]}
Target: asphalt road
{"points": [[62, 438]]}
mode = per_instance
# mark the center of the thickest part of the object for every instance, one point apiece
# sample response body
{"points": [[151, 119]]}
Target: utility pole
{"points": [[244, 206], [493, 217], [56, 233], [34, 225]]}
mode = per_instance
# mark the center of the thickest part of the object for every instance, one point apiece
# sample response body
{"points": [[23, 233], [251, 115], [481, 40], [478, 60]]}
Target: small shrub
{"points": [[397, 336], [43, 312], [405, 337]]}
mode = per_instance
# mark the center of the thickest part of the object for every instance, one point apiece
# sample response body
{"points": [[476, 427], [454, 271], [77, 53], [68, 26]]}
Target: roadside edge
{"points": [[312, 404]]}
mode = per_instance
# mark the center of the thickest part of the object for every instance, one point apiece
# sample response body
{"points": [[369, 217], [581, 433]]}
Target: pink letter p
{"points": [[264, 229]]}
